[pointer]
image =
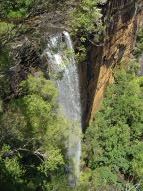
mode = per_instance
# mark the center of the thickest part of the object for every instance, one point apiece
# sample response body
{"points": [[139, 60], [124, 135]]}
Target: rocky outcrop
{"points": [[122, 19], [26, 60]]}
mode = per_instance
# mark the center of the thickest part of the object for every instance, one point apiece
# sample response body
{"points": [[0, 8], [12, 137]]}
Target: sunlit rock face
{"points": [[122, 19]]}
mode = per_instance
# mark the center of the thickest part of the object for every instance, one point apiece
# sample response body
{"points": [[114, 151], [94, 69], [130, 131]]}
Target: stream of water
{"points": [[61, 58]]}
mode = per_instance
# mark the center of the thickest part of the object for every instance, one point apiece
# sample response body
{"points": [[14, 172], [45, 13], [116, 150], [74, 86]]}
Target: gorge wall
{"points": [[122, 19]]}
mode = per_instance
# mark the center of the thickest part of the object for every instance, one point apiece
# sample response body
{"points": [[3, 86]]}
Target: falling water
{"points": [[62, 62]]}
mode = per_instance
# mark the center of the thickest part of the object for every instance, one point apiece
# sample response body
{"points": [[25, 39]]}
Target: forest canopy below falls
{"points": [[71, 95]]}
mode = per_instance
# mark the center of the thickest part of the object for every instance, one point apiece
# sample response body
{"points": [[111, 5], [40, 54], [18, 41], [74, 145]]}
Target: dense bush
{"points": [[15, 9], [114, 140], [86, 16], [86, 23], [35, 134], [139, 45]]}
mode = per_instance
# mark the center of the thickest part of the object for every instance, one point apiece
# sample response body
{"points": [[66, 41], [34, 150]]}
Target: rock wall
{"points": [[26, 59], [122, 19]]}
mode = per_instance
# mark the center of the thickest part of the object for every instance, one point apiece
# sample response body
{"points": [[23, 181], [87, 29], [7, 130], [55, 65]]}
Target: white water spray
{"points": [[61, 58]]}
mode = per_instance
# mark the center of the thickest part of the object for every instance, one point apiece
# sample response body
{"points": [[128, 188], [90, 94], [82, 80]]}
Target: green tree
{"points": [[35, 132], [86, 23], [114, 139]]}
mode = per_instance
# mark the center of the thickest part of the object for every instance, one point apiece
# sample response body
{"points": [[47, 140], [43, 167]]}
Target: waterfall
{"points": [[62, 63]]}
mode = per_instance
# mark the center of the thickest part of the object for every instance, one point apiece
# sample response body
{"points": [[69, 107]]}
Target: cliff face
{"points": [[122, 19]]}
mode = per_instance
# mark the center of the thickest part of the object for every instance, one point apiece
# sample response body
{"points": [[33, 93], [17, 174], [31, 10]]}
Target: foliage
{"points": [[31, 126], [86, 16], [5, 27], [11, 171], [15, 9], [114, 140], [4, 60], [86, 22], [20, 9], [139, 43]]}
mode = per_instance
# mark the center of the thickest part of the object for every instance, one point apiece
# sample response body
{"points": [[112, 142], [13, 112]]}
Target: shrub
{"points": [[114, 139]]}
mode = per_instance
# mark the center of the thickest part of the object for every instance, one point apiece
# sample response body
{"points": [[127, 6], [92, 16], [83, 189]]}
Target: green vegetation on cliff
{"points": [[113, 142], [15, 9], [139, 44], [86, 22], [32, 137], [34, 134]]}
